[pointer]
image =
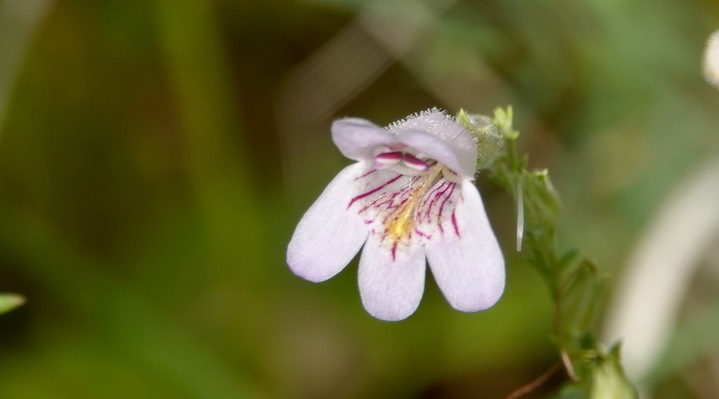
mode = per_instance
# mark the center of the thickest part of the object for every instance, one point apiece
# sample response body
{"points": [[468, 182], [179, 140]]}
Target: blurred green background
{"points": [[155, 157]]}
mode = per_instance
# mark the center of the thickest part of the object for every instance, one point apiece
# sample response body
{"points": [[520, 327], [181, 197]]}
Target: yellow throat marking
{"points": [[401, 223]]}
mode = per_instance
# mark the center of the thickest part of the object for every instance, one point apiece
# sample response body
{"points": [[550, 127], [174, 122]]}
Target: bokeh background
{"points": [[155, 157]]}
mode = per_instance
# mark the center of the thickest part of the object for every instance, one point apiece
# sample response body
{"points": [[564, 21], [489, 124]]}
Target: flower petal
{"points": [[329, 235], [458, 149], [461, 162], [465, 259], [391, 288], [357, 138]]}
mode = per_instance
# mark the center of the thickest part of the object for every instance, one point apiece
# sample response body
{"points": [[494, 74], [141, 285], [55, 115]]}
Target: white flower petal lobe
{"points": [[358, 138], [466, 259], [391, 280], [329, 234]]}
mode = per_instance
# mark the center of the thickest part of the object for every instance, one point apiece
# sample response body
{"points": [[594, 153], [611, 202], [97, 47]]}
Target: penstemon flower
{"points": [[409, 197]]}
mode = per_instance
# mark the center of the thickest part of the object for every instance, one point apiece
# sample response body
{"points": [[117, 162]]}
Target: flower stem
{"points": [[538, 229], [573, 285], [536, 383]]}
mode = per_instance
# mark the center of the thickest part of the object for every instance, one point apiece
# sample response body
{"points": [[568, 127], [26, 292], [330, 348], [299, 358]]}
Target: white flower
{"points": [[410, 196]]}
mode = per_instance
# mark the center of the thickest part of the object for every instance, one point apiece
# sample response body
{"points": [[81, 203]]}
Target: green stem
{"points": [[544, 257]]}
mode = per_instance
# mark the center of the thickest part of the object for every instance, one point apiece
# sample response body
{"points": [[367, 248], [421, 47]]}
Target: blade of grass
{"points": [[219, 169]]}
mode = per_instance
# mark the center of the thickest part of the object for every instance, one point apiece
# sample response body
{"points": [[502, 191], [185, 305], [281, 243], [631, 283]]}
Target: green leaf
{"points": [[503, 120], [541, 203], [581, 299]]}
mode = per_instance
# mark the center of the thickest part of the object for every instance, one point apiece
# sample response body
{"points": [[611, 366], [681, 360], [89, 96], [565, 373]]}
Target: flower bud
{"points": [[609, 380], [490, 144]]}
